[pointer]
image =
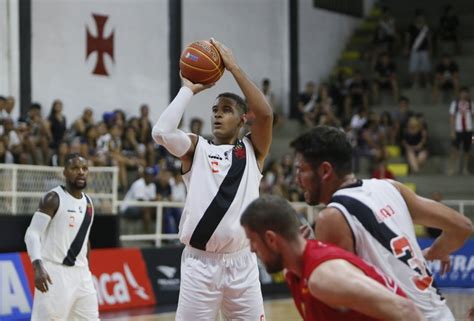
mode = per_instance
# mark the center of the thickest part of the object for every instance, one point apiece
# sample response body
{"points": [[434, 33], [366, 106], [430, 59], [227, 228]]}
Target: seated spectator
{"points": [[385, 77], [448, 28], [80, 125], [371, 143], [461, 119], [39, 134], [7, 110], [172, 215], [446, 77], [418, 46], [56, 124], [358, 94], [414, 143], [3, 103], [11, 139], [381, 171], [401, 116], [389, 128], [5, 156], [306, 105], [59, 157], [324, 108], [143, 189]]}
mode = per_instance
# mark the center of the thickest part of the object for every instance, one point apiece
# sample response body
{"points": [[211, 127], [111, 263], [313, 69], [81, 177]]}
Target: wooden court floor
{"points": [[284, 310]]}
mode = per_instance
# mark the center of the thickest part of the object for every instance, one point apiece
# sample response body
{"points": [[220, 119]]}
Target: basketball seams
{"points": [[205, 55], [197, 68]]}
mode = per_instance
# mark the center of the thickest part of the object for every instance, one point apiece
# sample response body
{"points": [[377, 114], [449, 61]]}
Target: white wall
{"points": [[9, 51], [257, 33], [368, 4], [323, 35], [138, 74]]}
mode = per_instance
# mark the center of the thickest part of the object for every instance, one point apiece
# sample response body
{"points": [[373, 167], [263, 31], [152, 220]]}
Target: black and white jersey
{"points": [[65, 238], [384, 236], [222, 182]]}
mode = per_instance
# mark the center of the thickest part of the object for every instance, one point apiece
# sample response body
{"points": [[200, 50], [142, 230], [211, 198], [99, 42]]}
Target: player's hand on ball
{"points": [[226, 54], [41, 277], [195, 88]]}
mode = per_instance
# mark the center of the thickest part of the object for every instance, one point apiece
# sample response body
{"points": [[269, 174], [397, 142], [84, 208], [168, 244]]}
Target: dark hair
{"points": [[273, 213], [404, 99], [324, 143], [35, 106], [464, 88], [266, 81], [196, 120], [2, 98], [69, 157], [241, 105]]}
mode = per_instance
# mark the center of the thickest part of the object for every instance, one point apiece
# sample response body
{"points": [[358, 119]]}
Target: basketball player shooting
{"points": [[374, 218], [57, 243], [222, 176]]}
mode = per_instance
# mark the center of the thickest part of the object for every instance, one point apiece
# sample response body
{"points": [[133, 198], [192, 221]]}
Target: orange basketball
{"points": [[201, 62]]}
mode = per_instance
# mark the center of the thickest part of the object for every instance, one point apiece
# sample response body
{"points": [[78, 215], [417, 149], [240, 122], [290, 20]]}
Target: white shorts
{"points": [[219, 281], [71, 297], [440, 314], [420, 61]]}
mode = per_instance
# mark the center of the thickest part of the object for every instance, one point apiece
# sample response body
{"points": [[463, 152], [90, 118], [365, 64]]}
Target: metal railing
{"points": [[310, 212]]}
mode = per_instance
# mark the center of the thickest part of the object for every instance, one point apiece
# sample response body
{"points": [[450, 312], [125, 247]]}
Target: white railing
{"points": [[310, 212], [23, 186]]}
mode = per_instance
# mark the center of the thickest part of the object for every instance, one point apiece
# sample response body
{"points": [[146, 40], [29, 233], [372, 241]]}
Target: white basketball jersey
{"points": [[384, 235], [223, 180], [65, 239]]}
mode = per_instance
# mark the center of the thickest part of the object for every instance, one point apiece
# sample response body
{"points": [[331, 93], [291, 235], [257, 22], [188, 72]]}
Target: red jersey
{"points": [[310, 308]]}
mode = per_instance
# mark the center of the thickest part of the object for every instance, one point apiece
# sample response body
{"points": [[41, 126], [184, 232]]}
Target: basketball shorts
{"points": [[71, 297], [219, 281]]}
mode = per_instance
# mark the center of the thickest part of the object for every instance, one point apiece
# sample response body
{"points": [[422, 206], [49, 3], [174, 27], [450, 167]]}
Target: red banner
{"points": [[121, 279]]}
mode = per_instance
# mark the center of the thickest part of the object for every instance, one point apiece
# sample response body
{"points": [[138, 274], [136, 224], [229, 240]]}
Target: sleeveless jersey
{"points": [[310, 308], [222, 181], [384, 236], [65, 238]]}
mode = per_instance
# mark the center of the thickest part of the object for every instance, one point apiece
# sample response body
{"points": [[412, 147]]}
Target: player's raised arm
{"points": [[456, 228], [358, 292], [166, 132], [262, 126]]}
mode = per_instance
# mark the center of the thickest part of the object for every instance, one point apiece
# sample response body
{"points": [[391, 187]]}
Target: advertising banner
{"points": [[15, 295], [461, 274], [163, 265], [121, 279]]}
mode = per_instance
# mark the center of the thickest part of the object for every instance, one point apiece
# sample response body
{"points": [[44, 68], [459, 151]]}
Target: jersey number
{"points": [[215, 167], [403, 250]]}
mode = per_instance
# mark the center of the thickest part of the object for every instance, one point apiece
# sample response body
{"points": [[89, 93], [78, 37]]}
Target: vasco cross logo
{"points": [[100, 44]]}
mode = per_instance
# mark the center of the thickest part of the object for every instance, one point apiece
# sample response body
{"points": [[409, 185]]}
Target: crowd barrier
{"points": [[132, 277]]}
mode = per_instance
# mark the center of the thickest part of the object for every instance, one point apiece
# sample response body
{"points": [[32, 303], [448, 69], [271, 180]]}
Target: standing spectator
{"points": [[446, 77], [414, 142], [461, 118], [448, 27], [172, 215], [418, 47], [143, 189], [144, 136], [385, 76], [3, 103], [271, 99], [57, 123], [385, 35]]}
